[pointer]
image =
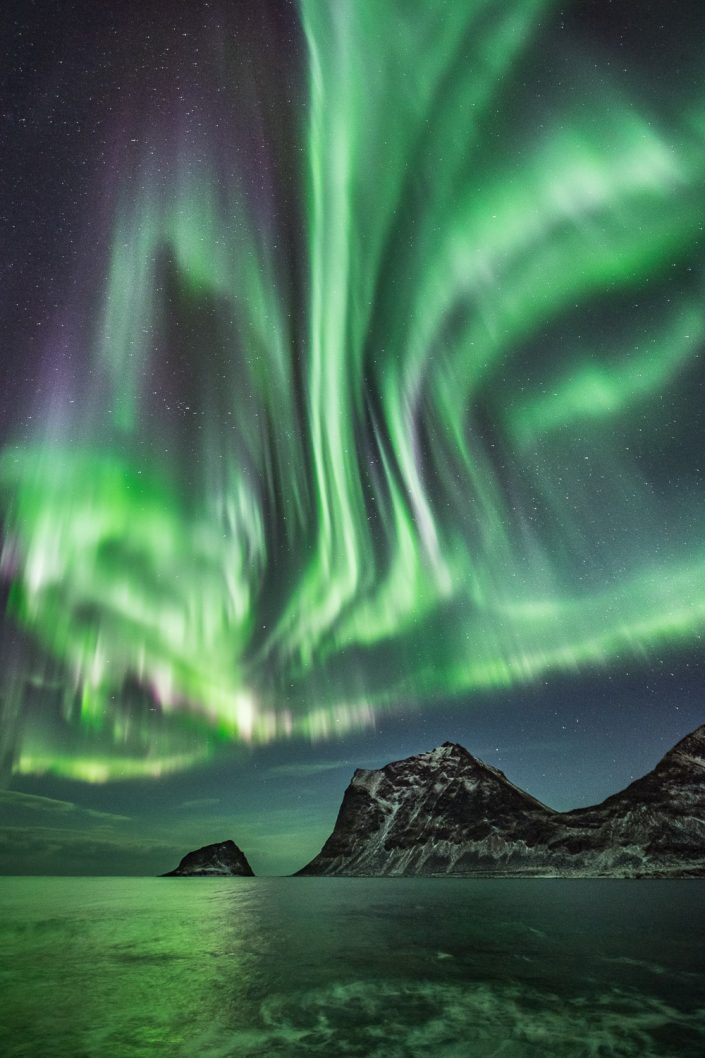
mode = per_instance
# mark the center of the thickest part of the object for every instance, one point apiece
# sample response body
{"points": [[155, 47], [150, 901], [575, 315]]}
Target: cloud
{"points": [[59, 851], [18, 802], [306, 769], [38, 839]]}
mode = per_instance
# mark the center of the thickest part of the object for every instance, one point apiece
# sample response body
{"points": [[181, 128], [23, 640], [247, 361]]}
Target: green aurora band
{"points": [[426, 474]]}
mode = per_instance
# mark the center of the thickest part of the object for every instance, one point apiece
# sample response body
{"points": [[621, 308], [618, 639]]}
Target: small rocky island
{"points": [[221, 860], [447, 813]]}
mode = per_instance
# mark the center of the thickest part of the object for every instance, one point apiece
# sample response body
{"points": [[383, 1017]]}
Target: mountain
{"points": [[655, 826], [445, 812], [224, 859]]}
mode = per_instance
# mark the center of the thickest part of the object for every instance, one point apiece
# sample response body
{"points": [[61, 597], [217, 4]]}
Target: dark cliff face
{"points": [[224, 859], [445, 812]]}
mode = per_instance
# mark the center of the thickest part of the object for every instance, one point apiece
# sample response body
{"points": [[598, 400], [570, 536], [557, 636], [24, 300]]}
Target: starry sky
{"points": [[351, 400]]}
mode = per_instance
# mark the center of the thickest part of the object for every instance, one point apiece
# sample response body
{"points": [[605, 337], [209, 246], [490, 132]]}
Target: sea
{"points": [[375, 968]]}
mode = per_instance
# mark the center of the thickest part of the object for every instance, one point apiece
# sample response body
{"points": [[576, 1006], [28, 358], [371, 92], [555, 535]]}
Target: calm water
{"points": [[383, 968]]}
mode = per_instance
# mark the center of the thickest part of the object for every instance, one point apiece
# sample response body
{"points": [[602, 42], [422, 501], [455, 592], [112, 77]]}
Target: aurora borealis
{"points": [[371, 381]]}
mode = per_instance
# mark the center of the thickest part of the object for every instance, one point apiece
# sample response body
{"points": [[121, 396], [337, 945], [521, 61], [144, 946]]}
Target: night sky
{"points": [[351, 400]]}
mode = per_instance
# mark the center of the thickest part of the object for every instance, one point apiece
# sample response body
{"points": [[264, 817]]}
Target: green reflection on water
{"points": [[242, 967]]}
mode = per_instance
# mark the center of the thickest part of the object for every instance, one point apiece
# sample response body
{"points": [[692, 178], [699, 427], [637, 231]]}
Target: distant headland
{"points": [[221, 860]]}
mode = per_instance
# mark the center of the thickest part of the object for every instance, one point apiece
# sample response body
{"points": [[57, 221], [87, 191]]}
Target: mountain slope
{"points": [[654, 826]]}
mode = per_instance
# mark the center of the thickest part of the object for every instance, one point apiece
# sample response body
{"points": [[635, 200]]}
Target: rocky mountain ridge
{"points": [[447, 813]]}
